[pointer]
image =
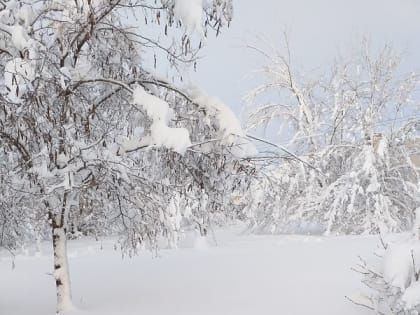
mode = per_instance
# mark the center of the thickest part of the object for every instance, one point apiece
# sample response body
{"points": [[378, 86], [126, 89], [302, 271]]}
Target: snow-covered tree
{"points": [[349, 125], [214, 170], [77, 107], [366, 188], [294, 107]]}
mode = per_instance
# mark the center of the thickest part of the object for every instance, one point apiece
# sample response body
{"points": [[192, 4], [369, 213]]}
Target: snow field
{"points": [[243, 275]]}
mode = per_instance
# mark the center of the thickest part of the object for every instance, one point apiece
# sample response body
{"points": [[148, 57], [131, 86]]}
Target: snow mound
{"points": [[399, 262], [411, 296]]}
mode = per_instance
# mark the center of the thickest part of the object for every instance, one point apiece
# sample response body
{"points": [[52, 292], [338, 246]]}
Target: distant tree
{"points": [[349, 126], [295, 108]]}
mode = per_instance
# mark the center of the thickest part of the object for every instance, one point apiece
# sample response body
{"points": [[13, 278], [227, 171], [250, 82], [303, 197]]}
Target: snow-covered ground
{"points": [[261, 275]]}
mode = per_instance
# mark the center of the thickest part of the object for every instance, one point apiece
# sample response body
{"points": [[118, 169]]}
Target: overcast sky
{"points": [[318, 30]]}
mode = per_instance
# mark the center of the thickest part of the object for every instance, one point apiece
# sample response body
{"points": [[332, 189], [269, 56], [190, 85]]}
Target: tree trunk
{"points": [[61, 267]]}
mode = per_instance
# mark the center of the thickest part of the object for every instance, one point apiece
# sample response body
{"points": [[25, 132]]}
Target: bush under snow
{"points": [[394, 286]]}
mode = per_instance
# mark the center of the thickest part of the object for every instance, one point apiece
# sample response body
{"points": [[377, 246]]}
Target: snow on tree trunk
{"points": [[61, 267]]}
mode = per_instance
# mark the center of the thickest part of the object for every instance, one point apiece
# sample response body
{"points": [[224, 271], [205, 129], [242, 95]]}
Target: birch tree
{"points": [[77, 104]]}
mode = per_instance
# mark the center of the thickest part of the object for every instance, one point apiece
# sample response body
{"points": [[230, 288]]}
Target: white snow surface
{"points": [[242, 275]]}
